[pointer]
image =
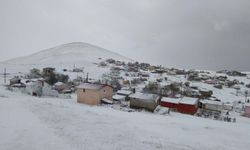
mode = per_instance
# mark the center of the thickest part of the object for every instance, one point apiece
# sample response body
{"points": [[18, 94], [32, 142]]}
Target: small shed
{"points": [[119, 97], [92, 94], [125, 93], [144, 100], [48, 91], [60, 86], [247, 110], [170, 102], [188, 105]]}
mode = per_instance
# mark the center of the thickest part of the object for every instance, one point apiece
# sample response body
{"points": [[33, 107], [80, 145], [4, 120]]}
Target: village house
{"points": [[211, 105], [191, 92], [111, 61], [205, 93], [77, 70], [38, 87], [16, 85], [144, 74], [210, 81], [35, 88], [132, 69], [152, 87], [15, 80], [171, 72], [144, 100], [188, 105], [61, 87], [119, 63], [144, 66], [102, 64], [48, 70], [93, 94]]}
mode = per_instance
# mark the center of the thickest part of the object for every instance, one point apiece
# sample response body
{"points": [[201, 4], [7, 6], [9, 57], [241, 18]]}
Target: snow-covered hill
{"points": [[72, 53], [66, 56]]}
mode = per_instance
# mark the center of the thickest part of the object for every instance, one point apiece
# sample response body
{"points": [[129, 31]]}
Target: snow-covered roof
{"points": [[118, 97], [91, 86], [170, 100], [124, 92], [211, 102], [228, 104], [105, 100], [144, 96], [59, 83], [189, 100], [18, 85], [247, 104]]}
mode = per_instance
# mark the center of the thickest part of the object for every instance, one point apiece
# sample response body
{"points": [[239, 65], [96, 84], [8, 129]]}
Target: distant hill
{"points": [[71, 53]]}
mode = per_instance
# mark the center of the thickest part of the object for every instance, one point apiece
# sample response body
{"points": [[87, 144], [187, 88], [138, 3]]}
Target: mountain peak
{"points": [[70, 53], [77, 44]]}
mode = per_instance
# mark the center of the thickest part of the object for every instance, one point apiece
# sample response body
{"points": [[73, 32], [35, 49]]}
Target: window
{"points": [[83, 90]]}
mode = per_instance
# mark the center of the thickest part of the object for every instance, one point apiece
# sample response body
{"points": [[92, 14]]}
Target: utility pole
{"points": [[4, 75], [246, 94], [87, 78], [181, 89]]}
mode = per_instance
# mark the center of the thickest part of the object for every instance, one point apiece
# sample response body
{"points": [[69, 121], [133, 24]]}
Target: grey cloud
{"points": [[210, 34]]}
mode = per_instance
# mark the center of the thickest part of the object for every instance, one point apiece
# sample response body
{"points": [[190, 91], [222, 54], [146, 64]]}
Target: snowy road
{"points": [[29, 123], [22, 130]]}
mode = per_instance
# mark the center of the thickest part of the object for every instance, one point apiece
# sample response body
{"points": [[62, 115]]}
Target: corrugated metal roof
{"points": [[124, 92], [247, 104], [144, 96], [119, 97]]}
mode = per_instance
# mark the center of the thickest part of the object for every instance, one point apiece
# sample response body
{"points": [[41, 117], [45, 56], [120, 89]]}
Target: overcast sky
{"points": [[204, 34]]}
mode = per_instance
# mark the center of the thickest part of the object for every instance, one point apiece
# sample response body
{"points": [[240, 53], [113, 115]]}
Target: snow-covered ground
{"points": [[51, 123], [28, 123]]}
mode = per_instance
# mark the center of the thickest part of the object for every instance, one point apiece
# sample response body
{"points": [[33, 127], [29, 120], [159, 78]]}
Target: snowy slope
{"points": [[72, 53]]}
